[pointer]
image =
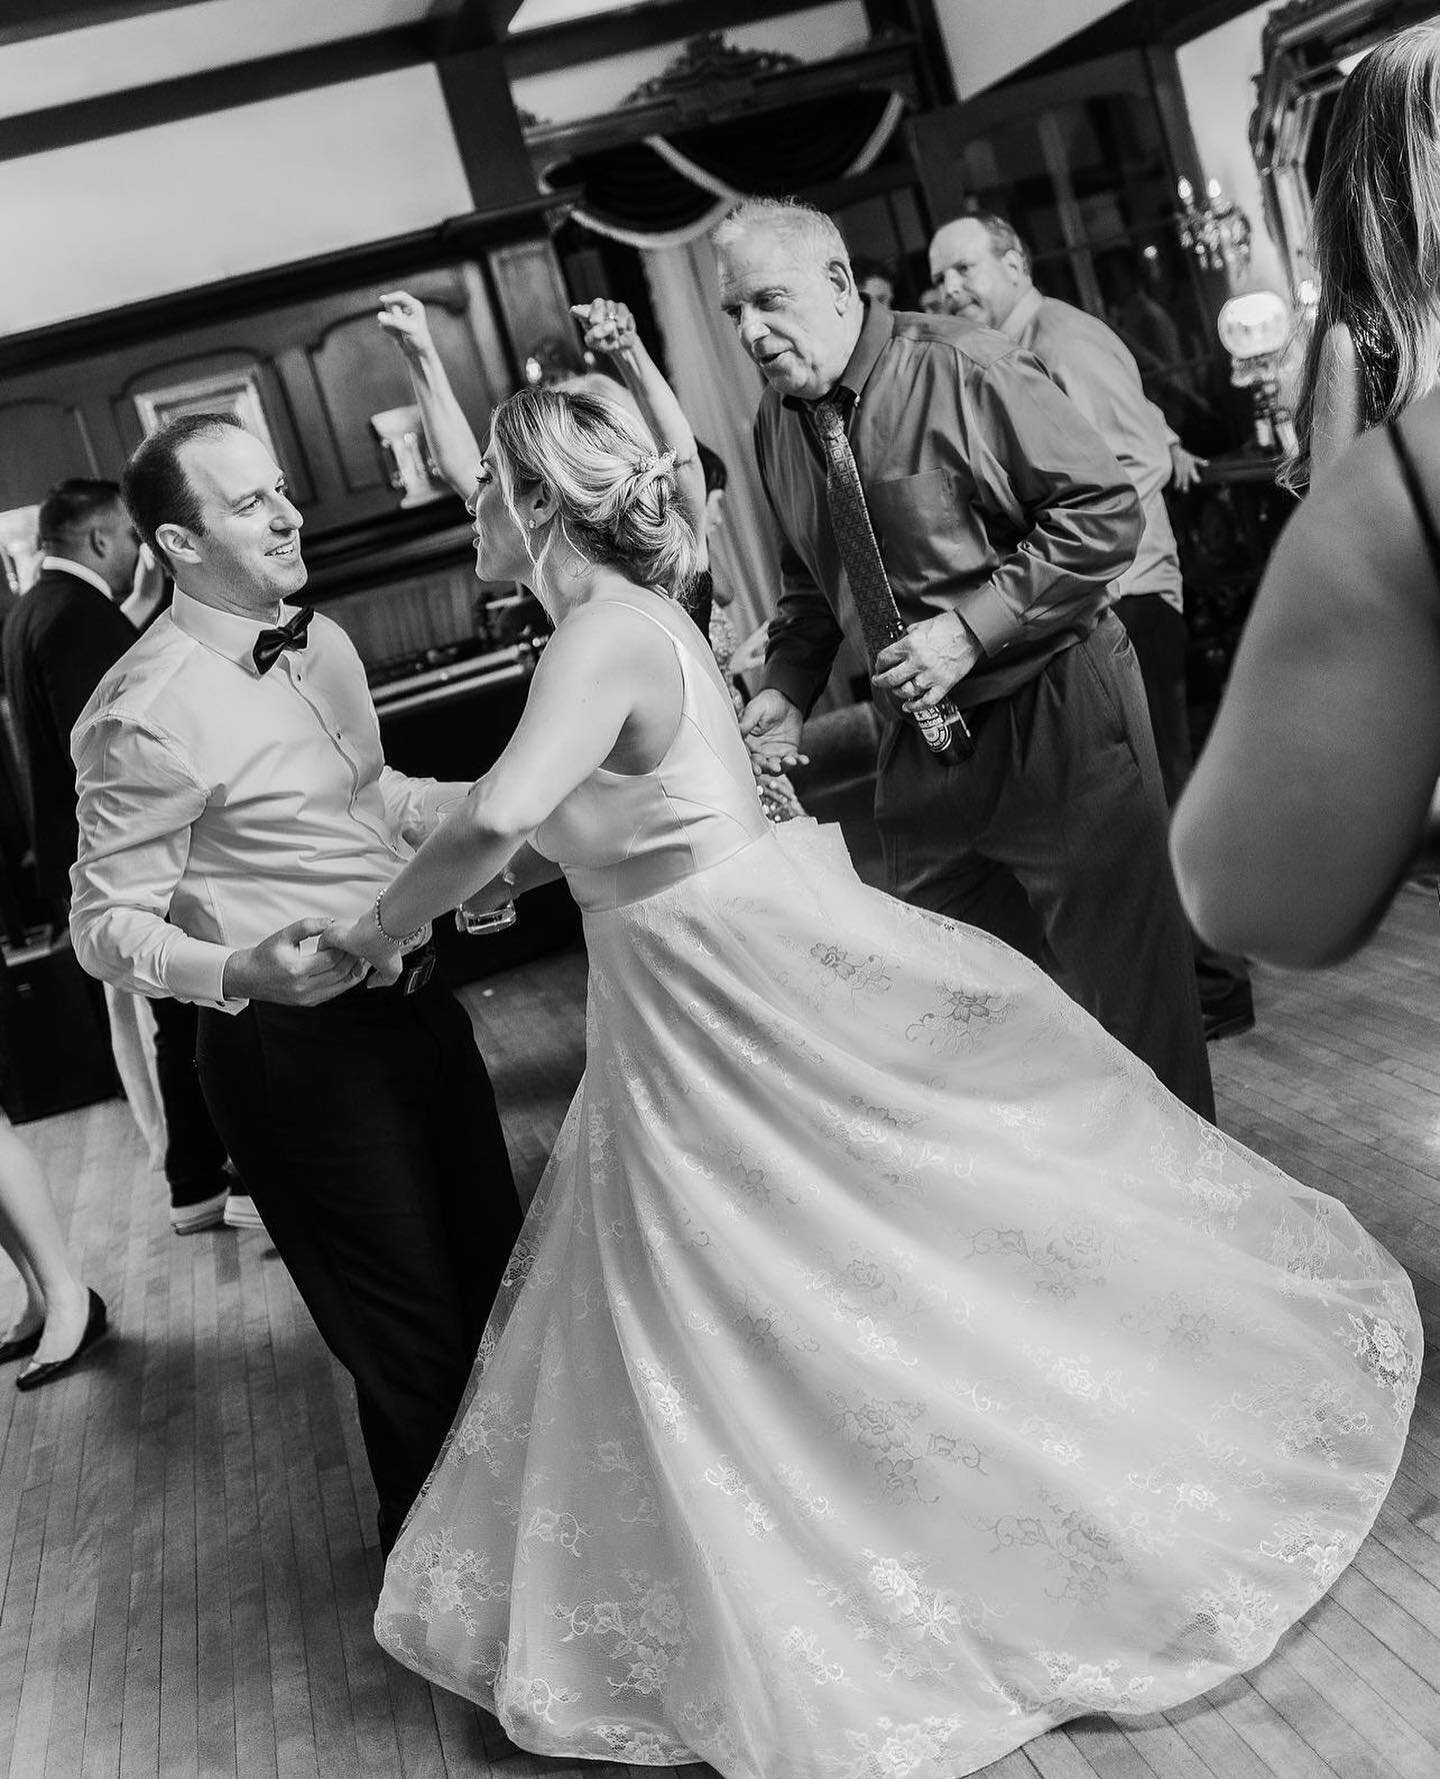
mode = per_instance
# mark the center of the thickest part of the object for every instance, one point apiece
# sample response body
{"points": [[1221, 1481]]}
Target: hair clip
{"points": [[645, 466]]}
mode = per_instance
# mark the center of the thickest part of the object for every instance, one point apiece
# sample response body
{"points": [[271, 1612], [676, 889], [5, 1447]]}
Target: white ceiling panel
{"points": [[154, 46]]}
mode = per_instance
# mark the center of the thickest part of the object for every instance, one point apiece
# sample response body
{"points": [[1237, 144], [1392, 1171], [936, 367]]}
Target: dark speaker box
{"points": [[54, 1034]]}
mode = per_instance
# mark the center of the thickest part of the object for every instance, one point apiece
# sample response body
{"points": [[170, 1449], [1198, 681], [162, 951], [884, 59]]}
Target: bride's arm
{"points": [[526, 870], [597, 671]]}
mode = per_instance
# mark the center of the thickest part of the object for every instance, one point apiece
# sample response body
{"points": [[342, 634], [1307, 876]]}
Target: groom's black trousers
{"points": [[366, 1133]]}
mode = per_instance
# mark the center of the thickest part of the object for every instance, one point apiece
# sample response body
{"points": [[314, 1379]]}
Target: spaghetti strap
{"points": [[1424, 512], [640, 611]]}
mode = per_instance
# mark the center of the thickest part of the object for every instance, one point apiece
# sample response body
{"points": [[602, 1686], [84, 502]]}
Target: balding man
{"points": [[984, 268], [1001, 518]]}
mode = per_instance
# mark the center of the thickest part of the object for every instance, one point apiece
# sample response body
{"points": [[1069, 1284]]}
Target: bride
{"points": [[890, 1368]]}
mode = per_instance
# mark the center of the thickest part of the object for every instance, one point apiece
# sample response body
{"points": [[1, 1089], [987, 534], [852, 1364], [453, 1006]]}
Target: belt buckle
{"points": [[417, 978]]}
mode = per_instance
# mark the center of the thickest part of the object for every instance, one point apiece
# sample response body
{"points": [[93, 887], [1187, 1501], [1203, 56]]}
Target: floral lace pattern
{"points": [[857, 1407]]}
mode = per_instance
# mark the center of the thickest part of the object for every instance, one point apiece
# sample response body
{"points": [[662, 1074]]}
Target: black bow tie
{"points": [[271, 644]]}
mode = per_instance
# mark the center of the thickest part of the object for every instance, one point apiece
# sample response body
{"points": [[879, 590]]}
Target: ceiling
{"points": [[60, 52]]}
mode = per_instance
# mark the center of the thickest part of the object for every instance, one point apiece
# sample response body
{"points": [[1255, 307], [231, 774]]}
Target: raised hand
{"points": [[283, 968], [771, 726], [403, 317], [609, 326]]}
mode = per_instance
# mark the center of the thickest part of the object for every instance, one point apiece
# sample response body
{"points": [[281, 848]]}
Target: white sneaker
{"points": [[191, 1219], [240, 1212]]}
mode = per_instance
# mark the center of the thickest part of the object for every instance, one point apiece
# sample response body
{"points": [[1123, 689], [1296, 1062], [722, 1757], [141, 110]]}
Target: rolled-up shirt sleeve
{"points": [[138, 798], [417, 806], [1037, 452]]}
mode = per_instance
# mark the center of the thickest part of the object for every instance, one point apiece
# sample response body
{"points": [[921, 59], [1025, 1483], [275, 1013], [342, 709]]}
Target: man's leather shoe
{"points": [[1230, 1017], [20, 1348], [95, 1325]]}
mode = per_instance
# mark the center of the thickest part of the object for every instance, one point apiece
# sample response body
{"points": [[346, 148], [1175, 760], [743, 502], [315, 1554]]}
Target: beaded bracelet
{"points": [[409, 939]]}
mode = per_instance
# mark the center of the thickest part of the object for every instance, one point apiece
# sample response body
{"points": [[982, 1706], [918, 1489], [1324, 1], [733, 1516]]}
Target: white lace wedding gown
{"points": [[890, 1368]]}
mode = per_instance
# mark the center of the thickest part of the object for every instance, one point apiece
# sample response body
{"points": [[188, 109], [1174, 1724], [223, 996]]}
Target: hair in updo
{"points": [[615, 493]]}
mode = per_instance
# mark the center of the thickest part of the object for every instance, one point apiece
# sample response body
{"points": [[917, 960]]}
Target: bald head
{"points": [[982, 266]]}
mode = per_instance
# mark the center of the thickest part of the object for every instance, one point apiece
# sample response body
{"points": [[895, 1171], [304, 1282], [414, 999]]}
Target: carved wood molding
{"points": [[709, 74], [701, 93]]}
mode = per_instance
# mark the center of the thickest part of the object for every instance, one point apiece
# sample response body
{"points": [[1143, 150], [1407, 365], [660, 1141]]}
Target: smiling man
{"points": [[234, 802], [923, 462]]}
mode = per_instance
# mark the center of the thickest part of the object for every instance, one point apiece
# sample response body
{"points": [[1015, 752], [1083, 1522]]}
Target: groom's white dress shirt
{"points": [[218, 804]]}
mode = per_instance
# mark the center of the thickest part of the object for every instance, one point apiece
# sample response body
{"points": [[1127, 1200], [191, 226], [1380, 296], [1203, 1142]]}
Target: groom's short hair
{"points": [[157, 491]]}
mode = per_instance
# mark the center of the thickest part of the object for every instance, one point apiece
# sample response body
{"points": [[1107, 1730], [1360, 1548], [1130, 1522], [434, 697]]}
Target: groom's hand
{"points": [[284, 968]]}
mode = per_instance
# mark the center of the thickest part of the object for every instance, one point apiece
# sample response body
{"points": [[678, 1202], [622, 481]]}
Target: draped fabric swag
{"points": [[664, 191]]}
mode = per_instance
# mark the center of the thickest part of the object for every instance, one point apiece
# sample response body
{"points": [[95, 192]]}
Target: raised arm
{"points": [[452, 442], [1312, 793], [610, 328]]}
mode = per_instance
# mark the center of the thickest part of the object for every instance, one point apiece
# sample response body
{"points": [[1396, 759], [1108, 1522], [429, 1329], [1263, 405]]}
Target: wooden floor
{"points": [[187, 1547]]}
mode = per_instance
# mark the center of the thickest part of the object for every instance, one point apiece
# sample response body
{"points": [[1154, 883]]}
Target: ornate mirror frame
{"points": [[1307, 48]]}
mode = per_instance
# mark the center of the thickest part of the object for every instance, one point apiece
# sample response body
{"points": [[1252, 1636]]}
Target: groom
{"points": [[230, 777]]}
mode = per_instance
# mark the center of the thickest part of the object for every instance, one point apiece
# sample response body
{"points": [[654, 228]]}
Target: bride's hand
{"points": [[362, 938]]}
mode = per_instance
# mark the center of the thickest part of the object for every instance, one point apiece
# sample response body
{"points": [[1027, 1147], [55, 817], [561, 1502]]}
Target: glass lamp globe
{"points": [[1255, 324]]}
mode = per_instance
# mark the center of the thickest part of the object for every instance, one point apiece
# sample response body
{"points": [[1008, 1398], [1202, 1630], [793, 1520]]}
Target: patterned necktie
{"points": [[271, 644], [943, 727]]}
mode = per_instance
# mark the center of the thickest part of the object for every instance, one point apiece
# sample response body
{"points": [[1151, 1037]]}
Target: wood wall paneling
{"points": [[191, 369], [322, 366], [42, 440], [357, 371], [534, 303]]}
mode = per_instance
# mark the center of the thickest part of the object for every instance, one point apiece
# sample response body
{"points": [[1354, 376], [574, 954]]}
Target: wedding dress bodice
{"points": [[621, 837]]}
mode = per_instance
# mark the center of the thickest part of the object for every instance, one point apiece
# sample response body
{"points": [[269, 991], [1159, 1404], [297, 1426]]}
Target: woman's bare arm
{"points": [[1313, 792]]}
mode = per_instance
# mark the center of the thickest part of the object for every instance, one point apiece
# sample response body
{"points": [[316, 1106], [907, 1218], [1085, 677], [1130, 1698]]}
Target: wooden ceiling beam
{"points": [[217, 89], [21, 20], [457, 26], [576, 41]]}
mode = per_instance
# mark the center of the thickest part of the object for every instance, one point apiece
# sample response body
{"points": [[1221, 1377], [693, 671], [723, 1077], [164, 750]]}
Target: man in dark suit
{"points": [[63, 636]]}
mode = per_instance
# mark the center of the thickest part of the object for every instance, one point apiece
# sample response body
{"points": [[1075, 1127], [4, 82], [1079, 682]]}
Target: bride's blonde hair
{"points": [[615, 492]]}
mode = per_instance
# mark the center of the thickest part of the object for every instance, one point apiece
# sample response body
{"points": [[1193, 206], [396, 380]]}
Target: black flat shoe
{"points": [[21, 1348], [95, 1325]]}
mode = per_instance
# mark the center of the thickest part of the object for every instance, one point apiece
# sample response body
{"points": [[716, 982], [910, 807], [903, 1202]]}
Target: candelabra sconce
{"points": [[1255, 329], [408, 465], [1216, 232]]}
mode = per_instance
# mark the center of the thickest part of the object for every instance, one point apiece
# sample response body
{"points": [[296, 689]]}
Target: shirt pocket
{"points": [[929, 534]]}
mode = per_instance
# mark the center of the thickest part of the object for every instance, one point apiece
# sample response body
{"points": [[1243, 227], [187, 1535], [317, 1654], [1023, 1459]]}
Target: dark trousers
{"points": [[194, 1153], [1053, 838], [1157, 634], [367, 1135]]}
